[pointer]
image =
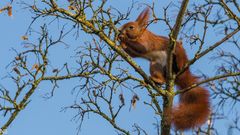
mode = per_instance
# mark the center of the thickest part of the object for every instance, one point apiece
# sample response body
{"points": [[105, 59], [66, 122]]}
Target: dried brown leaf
{"points": [[25, 37], [35, 66], [9, 10]]}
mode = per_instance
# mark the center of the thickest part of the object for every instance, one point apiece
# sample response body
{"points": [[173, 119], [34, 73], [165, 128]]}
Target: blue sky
{"points": [[43, 116]]}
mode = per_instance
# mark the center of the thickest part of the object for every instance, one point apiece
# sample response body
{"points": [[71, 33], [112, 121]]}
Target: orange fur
{"points": [[194, 107]]}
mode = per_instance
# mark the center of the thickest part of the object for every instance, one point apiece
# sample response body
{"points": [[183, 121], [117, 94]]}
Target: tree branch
{"points": [[206, 81], [203, 53]]}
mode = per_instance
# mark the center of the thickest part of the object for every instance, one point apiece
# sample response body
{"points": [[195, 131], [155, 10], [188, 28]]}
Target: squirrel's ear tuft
{"points": [[143, 18]]}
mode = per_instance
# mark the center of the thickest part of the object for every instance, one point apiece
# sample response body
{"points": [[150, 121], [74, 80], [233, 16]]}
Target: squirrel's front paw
{"points": [[158, 80]]}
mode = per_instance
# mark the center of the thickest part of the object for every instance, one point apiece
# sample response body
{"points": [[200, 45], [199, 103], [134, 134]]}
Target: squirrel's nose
{"points": [[120, 34]]}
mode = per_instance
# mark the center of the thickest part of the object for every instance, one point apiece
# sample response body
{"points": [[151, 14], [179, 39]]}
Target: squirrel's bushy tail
{"points": [[194, 106]]}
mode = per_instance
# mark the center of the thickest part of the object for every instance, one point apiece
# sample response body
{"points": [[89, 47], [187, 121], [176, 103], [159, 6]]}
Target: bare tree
{"points": [[98, 61]]}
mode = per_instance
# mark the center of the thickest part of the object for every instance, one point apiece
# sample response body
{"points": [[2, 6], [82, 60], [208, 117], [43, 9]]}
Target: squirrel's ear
{"points": [[142, 19]]}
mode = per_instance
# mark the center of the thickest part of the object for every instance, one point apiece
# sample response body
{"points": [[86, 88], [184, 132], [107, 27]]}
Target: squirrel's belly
{"points": [[157, 56]]}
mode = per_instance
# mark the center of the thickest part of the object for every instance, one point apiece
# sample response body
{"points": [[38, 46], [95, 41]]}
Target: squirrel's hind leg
{"points": [[157, 72]]}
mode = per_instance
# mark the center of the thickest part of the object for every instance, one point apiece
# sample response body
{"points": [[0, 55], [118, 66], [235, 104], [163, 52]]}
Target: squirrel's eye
{"points": [[131, 27]]}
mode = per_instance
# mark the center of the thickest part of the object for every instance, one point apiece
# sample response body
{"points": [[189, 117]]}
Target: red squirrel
{"points": [[194, 106]]}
